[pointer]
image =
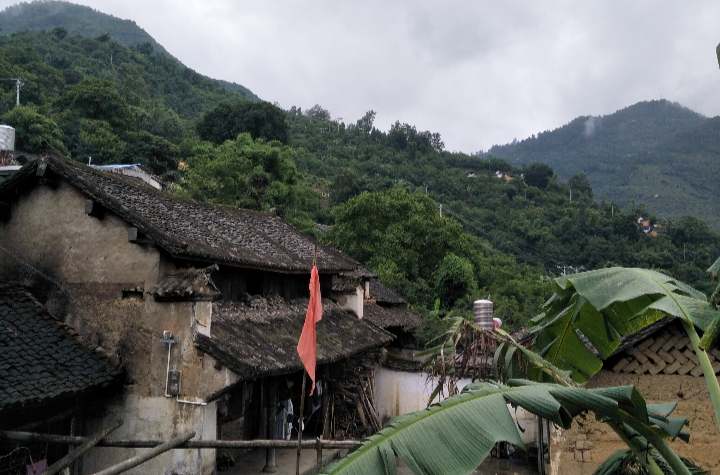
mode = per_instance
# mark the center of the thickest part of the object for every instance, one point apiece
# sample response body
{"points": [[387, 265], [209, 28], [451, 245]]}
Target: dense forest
{"points": [[442, 228], [655, 152]]}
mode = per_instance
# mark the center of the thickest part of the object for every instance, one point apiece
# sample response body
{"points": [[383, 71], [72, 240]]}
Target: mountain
{"points": [[84, 21], [656, 152]]}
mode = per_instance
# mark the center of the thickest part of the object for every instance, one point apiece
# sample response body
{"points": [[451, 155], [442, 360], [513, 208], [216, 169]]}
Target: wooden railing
{"points": [[94, 441]]}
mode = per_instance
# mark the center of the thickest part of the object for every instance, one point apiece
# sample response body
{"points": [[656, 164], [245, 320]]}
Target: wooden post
{"points": [[326, 402], [540, 445], [318, 449], [270, 463], [263, 425], [140, 459], [300, 423], [65, 462]]}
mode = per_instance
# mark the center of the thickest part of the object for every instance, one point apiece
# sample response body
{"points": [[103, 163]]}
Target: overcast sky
{"points": [[478, 72]]}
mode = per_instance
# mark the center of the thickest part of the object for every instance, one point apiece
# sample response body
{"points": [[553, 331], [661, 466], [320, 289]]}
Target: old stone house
{"points": [[202, 304], [659, 361]]}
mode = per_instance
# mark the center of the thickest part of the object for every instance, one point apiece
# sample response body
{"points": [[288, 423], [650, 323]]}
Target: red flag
{"points": [[307, 346]]}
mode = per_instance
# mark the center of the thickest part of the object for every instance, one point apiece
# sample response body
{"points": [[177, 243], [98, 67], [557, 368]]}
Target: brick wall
{"points": [[664, 369]]}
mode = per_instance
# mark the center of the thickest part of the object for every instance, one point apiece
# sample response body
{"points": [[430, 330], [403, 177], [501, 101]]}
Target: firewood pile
{"points": [[354, 411], [669, 352]]}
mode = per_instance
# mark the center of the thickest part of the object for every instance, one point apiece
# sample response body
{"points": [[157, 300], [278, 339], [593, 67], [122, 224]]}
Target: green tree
{"points": [[537, 174], [229, 119], [34, 132], [98, 141], [365, 123], [455, 277], [580, 183], [156, 153], [316, 112], [244, 172], [97, 99]]}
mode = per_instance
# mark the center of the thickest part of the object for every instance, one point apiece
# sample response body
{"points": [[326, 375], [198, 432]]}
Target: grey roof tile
{"points": [[45, 360]]}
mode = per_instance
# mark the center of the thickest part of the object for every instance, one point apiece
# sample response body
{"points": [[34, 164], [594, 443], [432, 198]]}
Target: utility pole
{"points": [[441, 211], [19, 83], [339, 119]]}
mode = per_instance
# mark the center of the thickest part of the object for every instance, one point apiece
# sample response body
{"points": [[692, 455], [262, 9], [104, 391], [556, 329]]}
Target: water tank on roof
{"points": [[483, 313], [7, 138]]}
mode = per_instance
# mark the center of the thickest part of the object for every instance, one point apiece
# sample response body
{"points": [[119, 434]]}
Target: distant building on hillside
{"points": [[135, 171]]}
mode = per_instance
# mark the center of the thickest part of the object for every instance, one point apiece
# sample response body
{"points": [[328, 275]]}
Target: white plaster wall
{"points": [[400, 392], [352, 302], [157, 418]]}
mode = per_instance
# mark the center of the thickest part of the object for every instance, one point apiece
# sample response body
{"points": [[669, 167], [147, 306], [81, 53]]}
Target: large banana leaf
{"points": [[605, 305], [454, 436]]}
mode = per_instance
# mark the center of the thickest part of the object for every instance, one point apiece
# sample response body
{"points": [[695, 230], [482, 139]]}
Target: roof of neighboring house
{"points": [[640, 335], [259, 336], [383, 294], [387, 309], [41, 358], [188, 285], [391, 316], [662, 348], [191, 229]]}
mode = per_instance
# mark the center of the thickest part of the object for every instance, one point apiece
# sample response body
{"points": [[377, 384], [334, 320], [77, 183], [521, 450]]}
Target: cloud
{"points": [[480, 73], [591, 125]]}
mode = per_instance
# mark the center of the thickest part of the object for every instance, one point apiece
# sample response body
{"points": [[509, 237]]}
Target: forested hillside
{"points": [[442, 228], [656, 152], [531, 218], [92, 97], [84, 21]]}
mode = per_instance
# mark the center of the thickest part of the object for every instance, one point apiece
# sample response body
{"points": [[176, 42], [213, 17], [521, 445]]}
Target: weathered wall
{"points": [[157, 418], [105, 298], [49, 227], [582, 448]]}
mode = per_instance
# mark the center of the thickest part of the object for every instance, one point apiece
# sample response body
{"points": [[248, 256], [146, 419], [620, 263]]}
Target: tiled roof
{"points": [[187, 285], [191, 229], [258, 337], [382, 294], [386, 316], [40, 357]]}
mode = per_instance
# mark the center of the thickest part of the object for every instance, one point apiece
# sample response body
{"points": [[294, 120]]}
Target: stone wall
{"points": [[588, 443]]}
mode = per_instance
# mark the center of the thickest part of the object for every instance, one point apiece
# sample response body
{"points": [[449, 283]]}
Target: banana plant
{"points": [[603, 306], [455, 435], [624, 462]]}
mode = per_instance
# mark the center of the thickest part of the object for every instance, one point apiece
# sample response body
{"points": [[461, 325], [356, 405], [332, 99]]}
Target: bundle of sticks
{"points": [[355, 413]]}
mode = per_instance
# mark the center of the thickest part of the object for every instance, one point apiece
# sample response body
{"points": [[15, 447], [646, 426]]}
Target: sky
{"points": [[478, 72]]}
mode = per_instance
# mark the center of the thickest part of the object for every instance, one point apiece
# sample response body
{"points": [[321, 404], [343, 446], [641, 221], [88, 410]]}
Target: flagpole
{"points": [[302, 400]]}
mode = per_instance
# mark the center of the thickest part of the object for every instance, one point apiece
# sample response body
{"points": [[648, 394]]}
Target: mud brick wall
{"points": [[669, 352], [663, 369]]}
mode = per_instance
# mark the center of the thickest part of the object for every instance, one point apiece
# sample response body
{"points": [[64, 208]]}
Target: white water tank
{"points": [[7, 138], [483, 314]]}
